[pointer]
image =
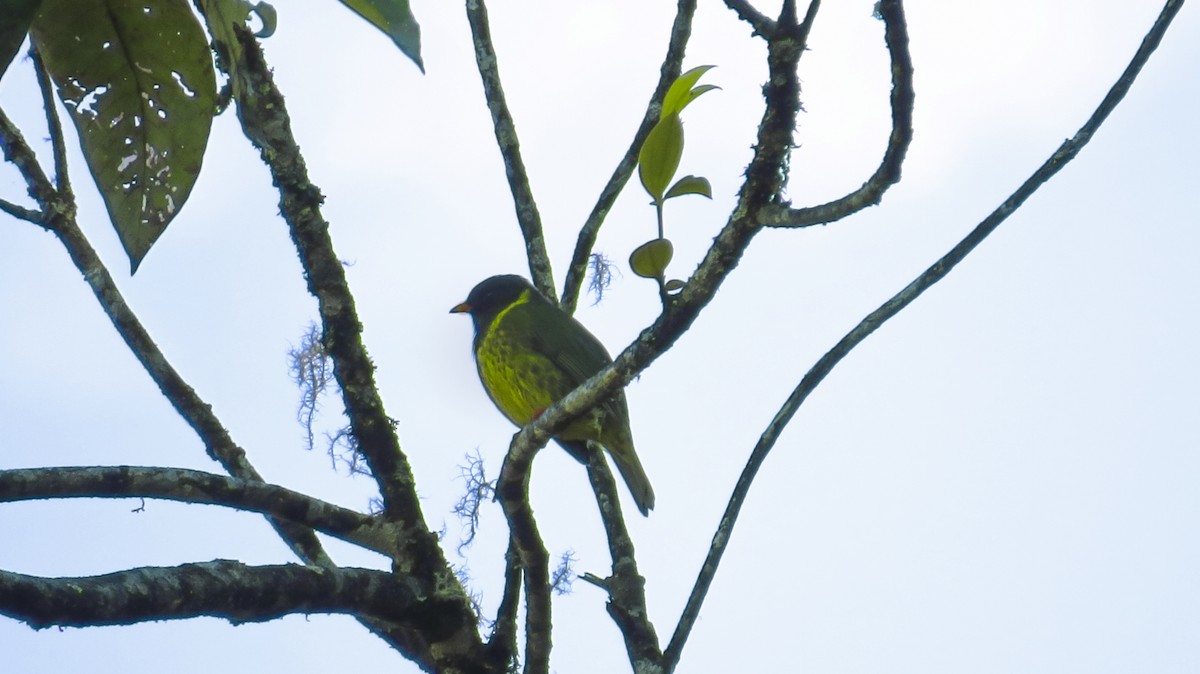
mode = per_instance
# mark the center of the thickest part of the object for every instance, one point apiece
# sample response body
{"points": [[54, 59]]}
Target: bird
{"points": [[530, 354]]}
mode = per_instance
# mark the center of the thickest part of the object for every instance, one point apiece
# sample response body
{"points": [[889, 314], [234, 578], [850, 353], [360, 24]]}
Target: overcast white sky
{"points": [[1002, 479]]}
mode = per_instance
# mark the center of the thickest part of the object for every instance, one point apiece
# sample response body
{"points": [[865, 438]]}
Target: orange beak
{"points": [[461, 308]]}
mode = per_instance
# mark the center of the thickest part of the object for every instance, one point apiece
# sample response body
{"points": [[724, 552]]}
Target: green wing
{"points": [[573, 351]]}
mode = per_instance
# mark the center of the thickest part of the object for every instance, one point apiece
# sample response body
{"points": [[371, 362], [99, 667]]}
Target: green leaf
{"points": [[221, 16], [137, 78], [696, 93], [15, 16], [679, 95], [396, 20], [689, 185], [660, 155], [650, 259], [673, 285]]}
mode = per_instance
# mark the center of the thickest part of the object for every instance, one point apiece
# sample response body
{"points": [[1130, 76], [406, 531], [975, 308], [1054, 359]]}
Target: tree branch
{"points": [[194, 486], [512, 488], [265, 121], [503, 642], [61, 179], [1065, 153], [888, 173], [763, 26], [19, 154], [681, 31], [528, 217], [221, 589], [626, 587], [22, 213]]}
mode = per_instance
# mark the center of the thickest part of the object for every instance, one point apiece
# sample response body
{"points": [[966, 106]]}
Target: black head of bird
{"points": [[530, 354]]}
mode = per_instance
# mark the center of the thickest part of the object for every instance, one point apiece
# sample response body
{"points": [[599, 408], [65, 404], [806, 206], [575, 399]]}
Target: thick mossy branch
{"points": [[221, 589], [266, 123]]}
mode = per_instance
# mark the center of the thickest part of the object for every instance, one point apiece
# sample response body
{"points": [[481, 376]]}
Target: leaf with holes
{"points": [[138, 80]]}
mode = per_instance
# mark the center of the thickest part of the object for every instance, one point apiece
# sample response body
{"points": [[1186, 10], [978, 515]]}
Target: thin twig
{"points": [[936, 272], [61, 179], [528, 218], [20, 154], [30, 215]]}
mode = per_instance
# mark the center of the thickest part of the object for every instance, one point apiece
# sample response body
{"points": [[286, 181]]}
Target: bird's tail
{"points": [[627, 464], [635, 478]]}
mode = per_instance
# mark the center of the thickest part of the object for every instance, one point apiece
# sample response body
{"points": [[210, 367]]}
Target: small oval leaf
{"points": [[677, 95], [660, 155], [674, 285], [650, 259], [690, 185]]}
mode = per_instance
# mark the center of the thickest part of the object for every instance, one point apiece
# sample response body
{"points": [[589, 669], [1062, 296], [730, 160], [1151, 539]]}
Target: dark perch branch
{"points": [[888, 173], [58, 216], [222, 589], [528, 217], [681, 30], [512, 488], [626, 587], [1065, 153], [503, 642], [194, 486]]}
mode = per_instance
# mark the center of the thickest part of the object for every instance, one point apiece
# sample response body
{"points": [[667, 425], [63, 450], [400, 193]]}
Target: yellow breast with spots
{"points": [[521, 381]]}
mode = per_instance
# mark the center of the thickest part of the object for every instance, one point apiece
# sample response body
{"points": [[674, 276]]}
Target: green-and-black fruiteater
{"points": [[531, 354]]}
